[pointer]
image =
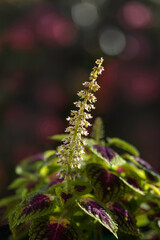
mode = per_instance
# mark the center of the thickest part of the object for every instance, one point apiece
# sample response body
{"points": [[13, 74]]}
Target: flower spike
{"points": [[70, 153]]}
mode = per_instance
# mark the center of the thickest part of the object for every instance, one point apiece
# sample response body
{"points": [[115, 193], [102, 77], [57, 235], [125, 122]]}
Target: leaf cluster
{"points": [[114, 192]]}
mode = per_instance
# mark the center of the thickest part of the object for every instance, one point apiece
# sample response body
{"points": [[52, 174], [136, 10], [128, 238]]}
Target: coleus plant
{"points": [[89, 188]]}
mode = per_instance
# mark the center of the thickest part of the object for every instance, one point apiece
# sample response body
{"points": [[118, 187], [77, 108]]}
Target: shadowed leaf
{"points": [[52, 229], [125, 222]]}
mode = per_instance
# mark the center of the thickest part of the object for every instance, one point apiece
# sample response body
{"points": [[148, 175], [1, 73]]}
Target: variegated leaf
{"points": [[107, 186], [101, 214], [132, 185], [126, 223], [81, 187], [110, 155], [55, 182], [143, 165], [37, 206], [51, 228]]}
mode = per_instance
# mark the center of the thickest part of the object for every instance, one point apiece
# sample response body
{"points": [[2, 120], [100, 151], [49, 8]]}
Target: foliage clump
{"points": [[87, 188]]}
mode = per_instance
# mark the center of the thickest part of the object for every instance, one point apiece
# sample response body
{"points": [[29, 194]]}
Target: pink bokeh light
{"points": [[20, 36], [137, 47], [139, 85], [136, 15], [53, 28], [47, 126], [16, 117], [22, 150], [13, 82], [50, 95]]}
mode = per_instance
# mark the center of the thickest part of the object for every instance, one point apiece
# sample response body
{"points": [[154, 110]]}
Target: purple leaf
{"points": [[37, 203], [146, 166], [107, 186], [66, 196], [125, 222], [54, 182], [143, 163], [133, 182], [79, 188], [31, 185], [106, 152], [52, 229], [36, 158], [98, 212]]}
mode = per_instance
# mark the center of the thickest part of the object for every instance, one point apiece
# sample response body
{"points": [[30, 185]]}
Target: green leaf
{"points": [[59, 137], [81, 188], [117, 161], [98, 212], [6, 206], [125, 221], [18, 182], [48, 154], [8, 200], [96, 153], [98, 130], [110, 155], [123, 145]]}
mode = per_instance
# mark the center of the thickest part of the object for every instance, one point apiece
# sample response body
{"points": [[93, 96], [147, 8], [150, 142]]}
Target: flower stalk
{"points": [[71, 151]]}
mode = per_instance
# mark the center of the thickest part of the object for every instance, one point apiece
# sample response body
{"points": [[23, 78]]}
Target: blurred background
{"points": [[48, 48]]}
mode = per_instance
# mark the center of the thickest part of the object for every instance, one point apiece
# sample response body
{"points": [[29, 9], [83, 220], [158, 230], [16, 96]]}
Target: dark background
{"points": [[48, 48]]}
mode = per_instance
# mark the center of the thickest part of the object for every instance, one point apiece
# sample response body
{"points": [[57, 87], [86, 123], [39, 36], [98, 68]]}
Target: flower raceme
{"points": [[71, 151]]}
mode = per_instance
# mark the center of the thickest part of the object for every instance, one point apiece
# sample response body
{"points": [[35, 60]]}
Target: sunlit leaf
{"points": [[107, 186], [98, 130], [110, 155], [36, 206], [101, 214], [96, 153], [143, 165], [132, 185], [58, 137], [123, 145]]}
